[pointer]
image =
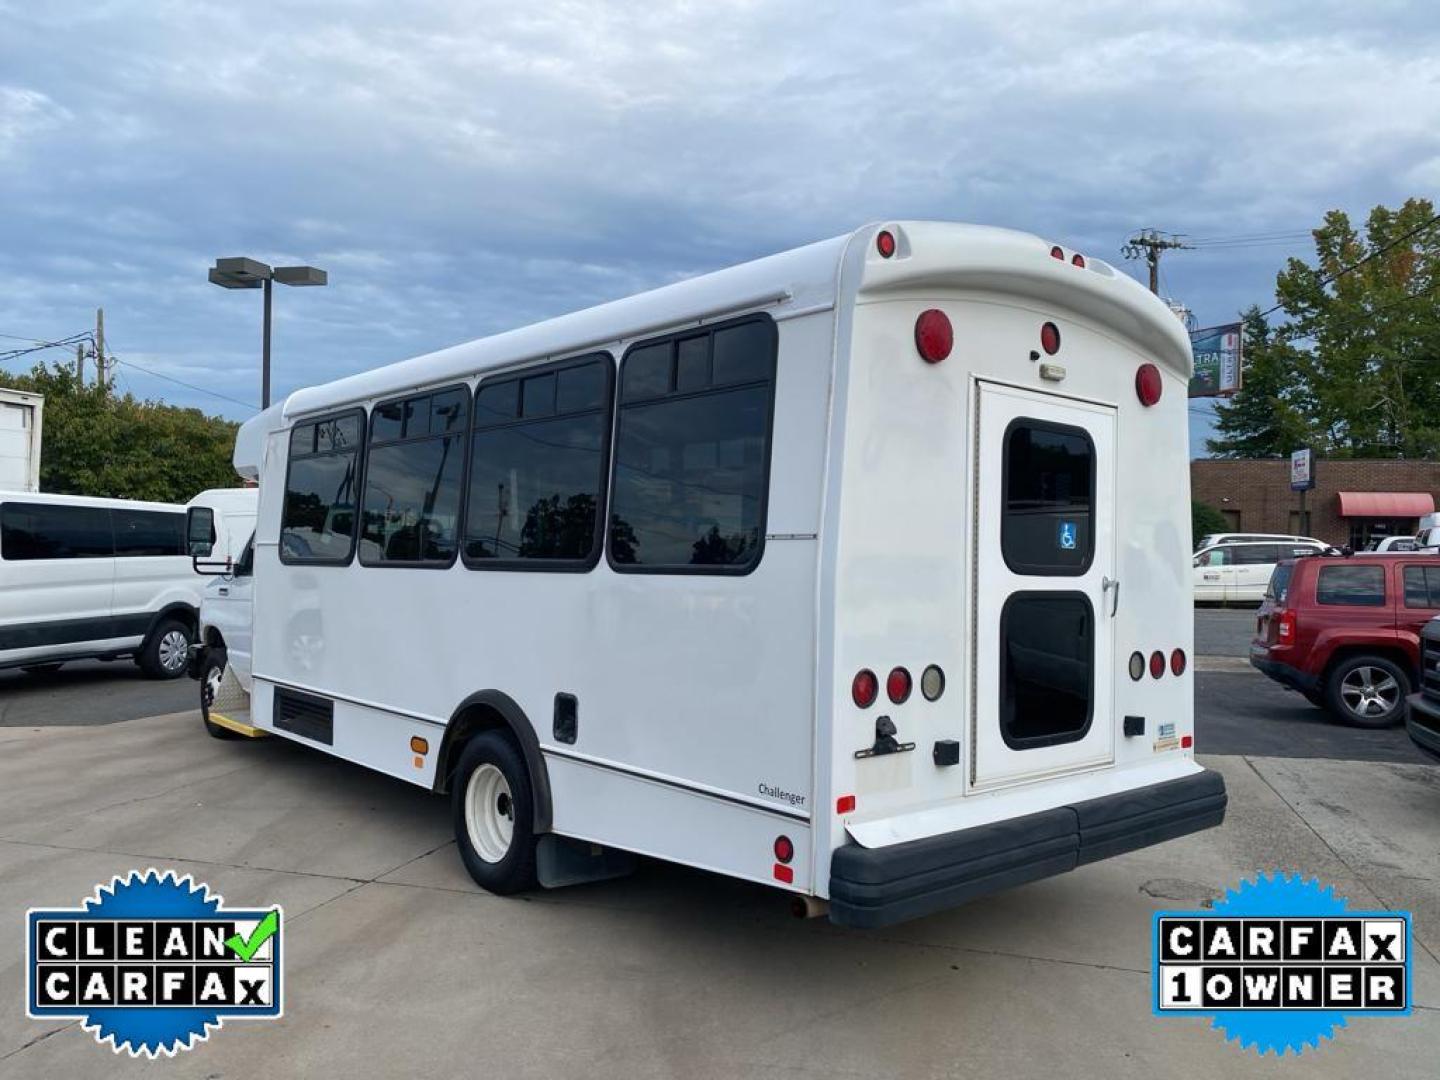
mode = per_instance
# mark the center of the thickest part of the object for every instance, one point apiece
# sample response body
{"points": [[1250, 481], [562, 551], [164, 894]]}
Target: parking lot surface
{"points": [[398, 965], [88, 692]]}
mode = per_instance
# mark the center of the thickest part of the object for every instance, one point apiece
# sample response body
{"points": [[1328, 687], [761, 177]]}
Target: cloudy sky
{"points": [[461, 168]]}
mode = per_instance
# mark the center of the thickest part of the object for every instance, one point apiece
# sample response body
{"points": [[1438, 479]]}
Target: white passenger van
{"points": [[1234, 571], [88, 578], [861, 571]]}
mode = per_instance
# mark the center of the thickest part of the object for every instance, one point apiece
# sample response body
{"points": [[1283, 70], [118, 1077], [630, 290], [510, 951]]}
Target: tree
{"points": [[1352, 372], [1204, 519], [96, 443]]}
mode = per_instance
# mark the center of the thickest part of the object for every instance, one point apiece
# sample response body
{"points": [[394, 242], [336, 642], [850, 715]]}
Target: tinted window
{"points": [[34, 531], [321, 489], [690, 464], [1280, 581], [1355, 586], [1422, 586], [413, 470], [536, 481], [1049, 475], [1256, 554], [1046, 668], [148, 532]]}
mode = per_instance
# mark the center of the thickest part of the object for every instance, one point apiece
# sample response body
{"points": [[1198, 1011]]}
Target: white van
{"points": [[1238, 571], [86, 578], [821, 571]]}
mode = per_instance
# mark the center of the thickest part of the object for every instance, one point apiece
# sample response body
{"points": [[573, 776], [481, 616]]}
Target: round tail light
{"points": [[784, 849], [864, 688], [1050, 338], [932, 682], [1137, 666], [934, 336], [1147, 384], [885, 243], [1157, 664], [1177, 662], [897, 686]]}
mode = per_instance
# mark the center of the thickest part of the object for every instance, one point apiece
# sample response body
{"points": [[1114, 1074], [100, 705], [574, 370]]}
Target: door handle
{"points": [[223, 590], [1106, 584]]}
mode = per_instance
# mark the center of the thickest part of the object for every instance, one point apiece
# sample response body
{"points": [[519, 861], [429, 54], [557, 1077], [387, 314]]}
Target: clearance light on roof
{"points": [[1147, 384], [885, 243], [1057, 252], [1078, 260], [934, 337]]}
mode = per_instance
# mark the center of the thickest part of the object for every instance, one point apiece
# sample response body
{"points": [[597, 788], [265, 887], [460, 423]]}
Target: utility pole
{"points": [[1149, 244], [102, 365], [80, 364]]}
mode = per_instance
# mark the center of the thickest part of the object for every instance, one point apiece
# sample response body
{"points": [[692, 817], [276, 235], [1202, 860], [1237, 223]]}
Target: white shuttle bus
{"points": [[861, 571]]}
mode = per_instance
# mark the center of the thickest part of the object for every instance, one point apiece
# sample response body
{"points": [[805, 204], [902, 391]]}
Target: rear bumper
{"points": [[879, 886], [1284, 674], [1422, 722]]}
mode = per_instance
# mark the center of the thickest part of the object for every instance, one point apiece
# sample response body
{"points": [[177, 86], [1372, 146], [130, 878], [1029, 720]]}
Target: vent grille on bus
{"points": [[305, 715]]}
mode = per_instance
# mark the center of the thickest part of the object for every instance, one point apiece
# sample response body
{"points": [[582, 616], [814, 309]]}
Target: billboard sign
{"points": [[1217, 361], [1302, 470]]}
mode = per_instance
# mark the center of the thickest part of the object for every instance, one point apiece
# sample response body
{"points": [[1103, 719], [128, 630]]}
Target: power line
{"points": [[189, 386], [1361, 262]]}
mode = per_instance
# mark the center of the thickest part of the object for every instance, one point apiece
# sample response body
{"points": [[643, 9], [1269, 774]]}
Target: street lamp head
{"points": [[231, 281], [300, 275]]}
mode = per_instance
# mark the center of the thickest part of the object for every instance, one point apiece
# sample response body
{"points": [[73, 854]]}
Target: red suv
{"points": [[1345, 631]]}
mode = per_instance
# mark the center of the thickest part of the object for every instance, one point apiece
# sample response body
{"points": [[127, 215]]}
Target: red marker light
{"points": [[784, 873], [1050, 338], [1078, 260], [1157, 664], [898, 685], [934, 336], [1186, 741], [885, 243], [845, 804], [784, 849], [1147, 384], [1177, 662], [864, 688]]}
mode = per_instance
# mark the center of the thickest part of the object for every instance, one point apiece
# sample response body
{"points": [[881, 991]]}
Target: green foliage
{"points": [[1353, 370], [1204, 519], [98, 444]]}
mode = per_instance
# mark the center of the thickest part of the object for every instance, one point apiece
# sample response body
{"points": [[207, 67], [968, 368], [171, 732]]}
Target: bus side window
{"points": [[538, 463], [692, 451], [416, 457], [317, 523]]}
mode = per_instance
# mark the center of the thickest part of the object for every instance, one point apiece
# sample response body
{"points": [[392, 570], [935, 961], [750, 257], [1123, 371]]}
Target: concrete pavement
{"points": [[398, 965]]}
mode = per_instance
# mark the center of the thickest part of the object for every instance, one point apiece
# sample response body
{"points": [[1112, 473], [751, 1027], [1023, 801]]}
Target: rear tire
{"points": [[210, 676], [167, 650], [1367, 691], [493, 805]]}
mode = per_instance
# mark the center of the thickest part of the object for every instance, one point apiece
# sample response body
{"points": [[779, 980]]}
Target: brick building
{"points": [[1353, 502]]}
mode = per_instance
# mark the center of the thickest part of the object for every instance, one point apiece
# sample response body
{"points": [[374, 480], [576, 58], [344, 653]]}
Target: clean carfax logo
{"points": [[1280, 962], [151, 963]]}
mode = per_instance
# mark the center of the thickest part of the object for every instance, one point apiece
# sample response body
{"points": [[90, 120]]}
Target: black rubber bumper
{"points": [[880, 886], [1422, 722], [1285, 674]]}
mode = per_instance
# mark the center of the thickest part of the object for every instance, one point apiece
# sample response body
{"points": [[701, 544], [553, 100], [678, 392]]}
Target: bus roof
{"points": [[971, 257]]}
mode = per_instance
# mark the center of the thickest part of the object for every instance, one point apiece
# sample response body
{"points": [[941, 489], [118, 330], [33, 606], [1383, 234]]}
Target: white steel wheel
{"points": [[490, 813]]}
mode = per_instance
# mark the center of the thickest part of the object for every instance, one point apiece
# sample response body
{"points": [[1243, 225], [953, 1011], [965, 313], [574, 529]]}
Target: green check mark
{"points": [[246, 948]]}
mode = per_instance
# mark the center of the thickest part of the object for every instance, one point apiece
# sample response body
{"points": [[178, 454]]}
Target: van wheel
{"points": [[1367, 691], [210, 678], [493, 806], [167, 651]]}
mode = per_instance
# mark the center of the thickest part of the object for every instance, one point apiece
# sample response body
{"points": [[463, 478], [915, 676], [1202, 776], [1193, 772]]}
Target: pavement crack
{"points": [[38, 1038]]}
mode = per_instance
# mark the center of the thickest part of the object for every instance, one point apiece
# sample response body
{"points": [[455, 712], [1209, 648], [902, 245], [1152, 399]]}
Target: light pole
{"points": [[240, 273]]}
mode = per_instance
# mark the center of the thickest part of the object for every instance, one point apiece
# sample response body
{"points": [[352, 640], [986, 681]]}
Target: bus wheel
{"points": [[210, 678], [494, 810]]}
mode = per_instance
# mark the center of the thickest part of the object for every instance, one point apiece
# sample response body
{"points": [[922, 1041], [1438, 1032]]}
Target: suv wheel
{"points": [[1367, 691]]}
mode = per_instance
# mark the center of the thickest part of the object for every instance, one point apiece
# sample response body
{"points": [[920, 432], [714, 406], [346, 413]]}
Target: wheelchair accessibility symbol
{"points": [[1067, 535]]}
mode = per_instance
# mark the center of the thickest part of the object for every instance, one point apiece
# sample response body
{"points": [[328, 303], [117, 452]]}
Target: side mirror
{"points": [[200, 531]]}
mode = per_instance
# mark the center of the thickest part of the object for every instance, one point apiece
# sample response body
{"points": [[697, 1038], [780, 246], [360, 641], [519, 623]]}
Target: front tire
{"points": [[211, 675], [1367, 691], [167, 651], [493, 805]]}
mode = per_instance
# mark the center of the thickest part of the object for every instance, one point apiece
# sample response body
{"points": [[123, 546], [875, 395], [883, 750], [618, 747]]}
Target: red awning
{"points": [[1386, 504]]}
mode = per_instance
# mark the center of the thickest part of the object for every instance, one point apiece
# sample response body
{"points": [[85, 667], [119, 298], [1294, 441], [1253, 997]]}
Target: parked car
{"points": [[84, 578], [1211, 539], [1422, 721], [1395, 543], [1345, 631], [1239, 570]]}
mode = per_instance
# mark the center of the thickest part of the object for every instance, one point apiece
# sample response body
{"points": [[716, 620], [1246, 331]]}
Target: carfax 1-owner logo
{"points": [[1280, 963], [151, 963]]}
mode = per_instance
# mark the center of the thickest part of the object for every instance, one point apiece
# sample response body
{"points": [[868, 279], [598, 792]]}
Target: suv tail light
{"points": [[1285, 628]]}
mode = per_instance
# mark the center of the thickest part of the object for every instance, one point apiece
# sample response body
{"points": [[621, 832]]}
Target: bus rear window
{"points": [[1049, 498]]}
